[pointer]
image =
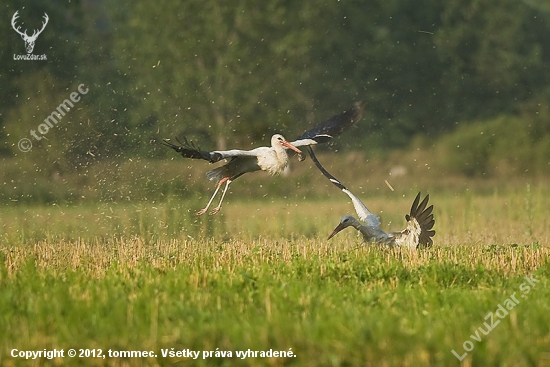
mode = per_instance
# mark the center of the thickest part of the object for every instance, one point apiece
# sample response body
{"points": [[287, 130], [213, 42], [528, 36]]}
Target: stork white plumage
{"points": [[420, 220], [272, 159]]}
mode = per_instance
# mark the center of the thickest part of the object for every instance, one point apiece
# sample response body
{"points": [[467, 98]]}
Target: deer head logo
{"points": [[29, 40]]}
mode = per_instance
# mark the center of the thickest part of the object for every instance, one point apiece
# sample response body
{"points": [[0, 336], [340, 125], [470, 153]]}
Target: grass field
{"points": [[261, 276]]}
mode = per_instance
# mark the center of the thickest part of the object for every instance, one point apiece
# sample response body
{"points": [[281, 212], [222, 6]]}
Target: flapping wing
{"points": [[189, 150], [425, 219], [420, 222], [363, 213], [331, 128]]}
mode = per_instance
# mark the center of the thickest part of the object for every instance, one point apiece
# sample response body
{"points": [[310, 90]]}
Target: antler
{"points": [[13, 20], [46, 18], [24, 34]]}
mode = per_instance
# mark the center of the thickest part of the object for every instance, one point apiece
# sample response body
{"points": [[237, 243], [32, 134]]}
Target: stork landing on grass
{"points": [[420, 220], [272, 159]]}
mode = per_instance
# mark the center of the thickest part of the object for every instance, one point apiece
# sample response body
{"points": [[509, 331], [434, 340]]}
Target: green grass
{"points": [[262, 276]]}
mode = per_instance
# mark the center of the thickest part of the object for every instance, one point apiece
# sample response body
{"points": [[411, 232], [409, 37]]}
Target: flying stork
{"points": [[272, 159], [420, 220]]}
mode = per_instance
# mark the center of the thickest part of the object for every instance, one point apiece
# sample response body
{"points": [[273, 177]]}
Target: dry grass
{"points": [[95, 257], [262, 275]]}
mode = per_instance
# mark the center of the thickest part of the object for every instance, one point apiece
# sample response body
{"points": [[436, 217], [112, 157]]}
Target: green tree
{"points": [[492, 57], [78, 52], [225, 71]]}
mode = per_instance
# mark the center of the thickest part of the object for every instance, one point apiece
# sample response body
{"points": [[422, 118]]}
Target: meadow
{"points": [[261, 276]]}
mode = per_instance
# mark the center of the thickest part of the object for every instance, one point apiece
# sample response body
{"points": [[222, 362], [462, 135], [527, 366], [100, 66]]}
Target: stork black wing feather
{"points": [[189, 150], [425, 219], [332, 179], [335, 125]]}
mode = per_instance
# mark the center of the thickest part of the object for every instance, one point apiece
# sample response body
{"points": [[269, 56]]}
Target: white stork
{"points": [[272, 159], [420, 220]]}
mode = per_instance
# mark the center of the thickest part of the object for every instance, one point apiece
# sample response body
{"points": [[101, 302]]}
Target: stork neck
{"points": [[281, 153]]}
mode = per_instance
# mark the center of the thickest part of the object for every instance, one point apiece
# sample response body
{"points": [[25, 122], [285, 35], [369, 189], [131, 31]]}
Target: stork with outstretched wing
{"points": [[272, 159], [420, 220]]}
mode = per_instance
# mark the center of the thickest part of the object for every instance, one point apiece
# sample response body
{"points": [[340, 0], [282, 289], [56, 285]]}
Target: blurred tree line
{"points": [[230, 75]]}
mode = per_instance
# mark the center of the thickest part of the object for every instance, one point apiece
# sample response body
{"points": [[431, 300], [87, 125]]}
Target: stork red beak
{"points": [[336, 230], [290, 146]]}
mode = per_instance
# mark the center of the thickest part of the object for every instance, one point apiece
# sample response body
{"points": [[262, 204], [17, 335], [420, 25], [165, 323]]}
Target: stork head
{"points": [[345, 222], [278, 140]]}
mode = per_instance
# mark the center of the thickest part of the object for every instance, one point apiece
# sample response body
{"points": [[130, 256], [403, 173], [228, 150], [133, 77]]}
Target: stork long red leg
{"points": [[202, 211], [217, 209], [273, 159]]}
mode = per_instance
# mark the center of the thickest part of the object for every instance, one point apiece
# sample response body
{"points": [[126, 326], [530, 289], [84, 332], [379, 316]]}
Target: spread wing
{"points": [[189, 150], [322, 133], [363, 213], [420, 222], [425, 219], [331, 128]]}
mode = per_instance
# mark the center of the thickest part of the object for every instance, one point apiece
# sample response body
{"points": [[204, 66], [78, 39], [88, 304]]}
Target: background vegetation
{"points": [[470, 78]]}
